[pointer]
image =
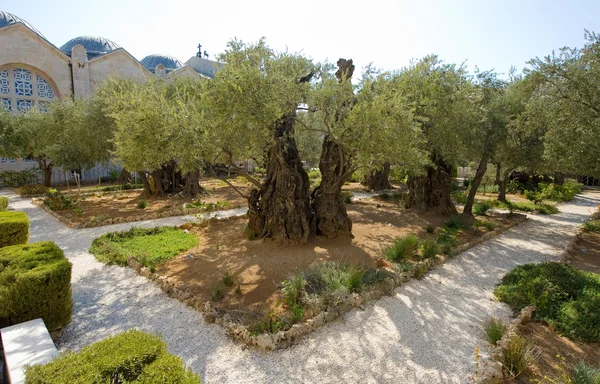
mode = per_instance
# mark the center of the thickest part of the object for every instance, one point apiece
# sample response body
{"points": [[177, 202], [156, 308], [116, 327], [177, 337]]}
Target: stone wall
{"points": [[116, 63]]}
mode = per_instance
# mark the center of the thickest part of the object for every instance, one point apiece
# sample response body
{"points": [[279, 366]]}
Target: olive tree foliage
{"points": [[73, 134], [443, 101], [162, 131], [570, 106], [253, 101]]}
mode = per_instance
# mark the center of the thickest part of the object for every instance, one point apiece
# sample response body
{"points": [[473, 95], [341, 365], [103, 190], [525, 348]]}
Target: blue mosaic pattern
{"points": [[24, 105], [5, 104], [44, 89], [23, 84], [4, 82]]}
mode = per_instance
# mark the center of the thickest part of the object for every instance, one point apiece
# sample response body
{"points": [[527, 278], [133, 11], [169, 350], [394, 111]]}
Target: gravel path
{"points": [[426, 333]]}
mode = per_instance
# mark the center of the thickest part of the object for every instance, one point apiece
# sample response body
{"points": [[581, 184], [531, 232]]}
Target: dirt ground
{"points": [[549, 345], [106, 205], [260, 266], [586, 255]]}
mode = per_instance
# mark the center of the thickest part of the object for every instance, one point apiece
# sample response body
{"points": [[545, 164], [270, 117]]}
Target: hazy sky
{"points": [[488, 34]]}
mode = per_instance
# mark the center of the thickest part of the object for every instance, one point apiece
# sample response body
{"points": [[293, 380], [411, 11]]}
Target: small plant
{"points": [[292, 289], [238, 288], [461, 197], [420, 271], [592, 226], [485, 224], [481, 208], [518, 356], [219, 292], [402, 249], [585, 374], [494, 329], [355, 278], [430, 229], [429, 249], [227, 279], [534, 196], [78, 211], [467, 183], [455, 223], [142, 204], [347, 196], [446, 239]]}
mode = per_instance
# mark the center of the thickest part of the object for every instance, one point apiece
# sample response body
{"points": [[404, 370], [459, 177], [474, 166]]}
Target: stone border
{"points": [[119, 220], [284, 339], [491, 370]]}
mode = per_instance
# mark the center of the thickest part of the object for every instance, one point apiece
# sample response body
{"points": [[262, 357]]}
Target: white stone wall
{"points": [[116, 63], [20, 45]]}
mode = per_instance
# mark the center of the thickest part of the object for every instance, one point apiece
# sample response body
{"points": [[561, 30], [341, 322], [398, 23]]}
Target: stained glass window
{"points": [[6, 104], [23, 84], [4, 82], [44, 89], [24, 105]]}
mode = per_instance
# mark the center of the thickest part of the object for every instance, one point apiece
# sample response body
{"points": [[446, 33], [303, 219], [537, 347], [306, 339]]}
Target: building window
{"points": [[24, 88]]}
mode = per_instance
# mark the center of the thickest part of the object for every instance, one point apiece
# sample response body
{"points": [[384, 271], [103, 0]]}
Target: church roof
{"points": [[7, 19], [94, 45], [169, 62]]}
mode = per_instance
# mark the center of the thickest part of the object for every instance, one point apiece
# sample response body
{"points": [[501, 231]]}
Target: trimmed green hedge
{"points": [[3, 203], [14, 228], [129, 357], [35, 281], [565, 297]]}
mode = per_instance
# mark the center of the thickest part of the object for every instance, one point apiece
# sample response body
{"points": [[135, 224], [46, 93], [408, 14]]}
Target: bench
{"points": [[24, 344]]}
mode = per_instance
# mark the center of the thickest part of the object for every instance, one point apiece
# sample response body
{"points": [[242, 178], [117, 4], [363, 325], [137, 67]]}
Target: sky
{"points": [[487, 34]]}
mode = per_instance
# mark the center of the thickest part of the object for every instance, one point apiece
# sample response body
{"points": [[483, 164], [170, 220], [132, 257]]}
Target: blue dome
{"points": [[7, 19], [94, 45], [169, 62]]}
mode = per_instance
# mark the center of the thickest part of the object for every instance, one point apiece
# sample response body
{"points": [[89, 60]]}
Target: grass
{"points": [[494, 329], [227, 279], [402, 249], [455, 222], [149, 246], [490, 226], [429, 249], [481, 207], [566, 298], [592, 226], [518, 357], [209, 207], [142, 204], [543, 208], [585, 374]]}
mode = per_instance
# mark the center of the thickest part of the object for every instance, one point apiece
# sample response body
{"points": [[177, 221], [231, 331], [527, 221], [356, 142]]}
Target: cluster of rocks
{"points": [[285, 338], [182, 211], [492, 370]]}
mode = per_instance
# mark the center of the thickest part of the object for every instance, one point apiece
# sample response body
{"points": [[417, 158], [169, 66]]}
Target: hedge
{"points": [[35, 281], [3, 203], [14, 228], [129, 357]]}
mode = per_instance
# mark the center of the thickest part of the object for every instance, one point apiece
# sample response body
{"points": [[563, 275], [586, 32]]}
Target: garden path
{"points": [[425, 333]]}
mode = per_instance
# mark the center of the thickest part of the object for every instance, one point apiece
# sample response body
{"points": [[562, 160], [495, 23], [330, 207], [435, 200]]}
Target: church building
{"points": [[34, 71]]}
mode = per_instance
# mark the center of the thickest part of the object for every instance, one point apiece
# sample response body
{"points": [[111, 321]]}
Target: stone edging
{"points": [[119, 220], [283, 339], [491, 370]]}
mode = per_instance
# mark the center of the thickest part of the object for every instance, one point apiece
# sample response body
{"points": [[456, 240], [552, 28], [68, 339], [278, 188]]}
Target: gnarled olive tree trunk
{"points": [[280, 209], [502, 185], [192, 186], [481, 169], [378, 179], [46, 168], [331, 217], [431, 191]]}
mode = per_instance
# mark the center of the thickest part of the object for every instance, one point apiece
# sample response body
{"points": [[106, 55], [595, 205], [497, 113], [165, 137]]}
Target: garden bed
{"points": [[95, 209], [237, 282]]}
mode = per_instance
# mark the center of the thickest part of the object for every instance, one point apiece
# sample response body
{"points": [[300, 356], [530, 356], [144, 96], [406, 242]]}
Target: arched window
{"points": [[22, 88]]}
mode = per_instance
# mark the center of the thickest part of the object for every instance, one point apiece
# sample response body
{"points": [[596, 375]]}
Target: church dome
{"points": [[94, 45], [7, 19], [169, 62]]}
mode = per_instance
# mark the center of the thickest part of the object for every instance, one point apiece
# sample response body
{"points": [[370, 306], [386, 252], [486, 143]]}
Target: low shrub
{"points": [[35, 281], [467, 183], [13, 179], [57, 201], [3, 203], [149, 246], [481, 207], [447, 239], [141, 204], [490, 226], [129, 357], [534, 196], [429, 249], [518, 357], [461, 197], [14, 228], [494, 329], [314, 174], [455, 222], [27, 190], [564, 297], [592, 226], [402, 249], [562, 192]]}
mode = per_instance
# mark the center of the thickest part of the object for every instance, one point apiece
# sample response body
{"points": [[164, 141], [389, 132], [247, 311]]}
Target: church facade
{"points": [[34, 72]]}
